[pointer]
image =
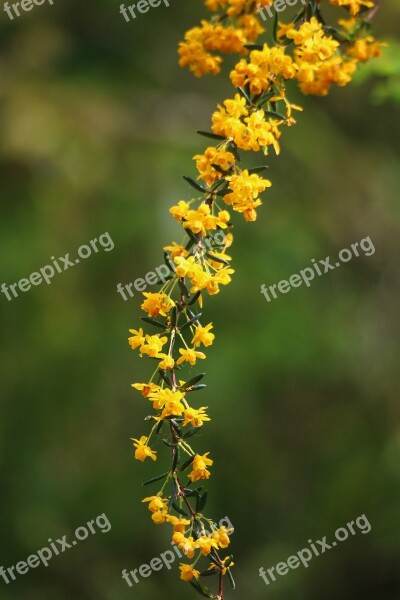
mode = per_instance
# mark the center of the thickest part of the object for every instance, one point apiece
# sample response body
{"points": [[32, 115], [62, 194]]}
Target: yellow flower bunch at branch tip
{"points": [[317, 56]]}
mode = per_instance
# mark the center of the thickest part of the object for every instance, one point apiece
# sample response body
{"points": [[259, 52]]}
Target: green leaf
{"points": [[219, 169], [168, 261], [187, 463], [183, 288], [190, 322], [275, 29], [154, 322], [154, 479], [179, 510], [253, 46], [174, 317], [195, 185], [201, 589], [195, 298], [163, 375], [233, 148], [211, 135], [169, 444], [231, 580], [192, 431], [257, 169], [176, 427], [194, 380], [196, 388], [272, 113], [217, 259], [175, 459], [245, 96], [202, 503]]}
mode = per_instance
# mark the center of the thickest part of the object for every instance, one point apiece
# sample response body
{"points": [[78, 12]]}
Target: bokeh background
{"points": [[97, 123]]}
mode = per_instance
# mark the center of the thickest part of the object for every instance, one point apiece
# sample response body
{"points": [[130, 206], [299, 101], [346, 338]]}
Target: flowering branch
{"points": [[318, 56]]}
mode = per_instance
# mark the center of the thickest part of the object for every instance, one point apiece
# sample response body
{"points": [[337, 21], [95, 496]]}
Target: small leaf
{"points": [[217, 259], [209, 572], [257, 169], [201, 589], [164, 377], [272, 113], [187, 463], [275, 28], [195, 298], [194, 380], [190, 322], [192, 431], [176, 427], [175, 459], [195, 185], [253, 46], [174, 317], [179, 509], [245, 96], [154, 479], [183, 288], [219, 169], [154, 322], [231, 580], [196, 388], [211, 135], [203, 502], [167, 443]]}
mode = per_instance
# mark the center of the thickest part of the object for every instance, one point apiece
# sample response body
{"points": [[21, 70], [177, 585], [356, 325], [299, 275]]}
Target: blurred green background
{"points": [[98, 124]]}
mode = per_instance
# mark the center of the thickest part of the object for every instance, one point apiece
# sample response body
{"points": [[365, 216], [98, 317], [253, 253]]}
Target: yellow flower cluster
{"points": [[196, 51], [317, 56], [353, 5]]}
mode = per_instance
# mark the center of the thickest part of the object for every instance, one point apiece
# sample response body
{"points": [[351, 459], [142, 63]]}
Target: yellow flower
{"points": [[189, 356], [206, 544], [179, 211], [167, 361], [142, 449], [354, 5], [176, 250], [145, 388], [202, 335], [221, 536], [366, 48], [195, 417], [172, 409], [137, 339], [213, 156], [153, 345], [157, 304], [158, 517], [188, 572], [156, 503], [199, 467], [162, 396], [179, 524], [186, 544], [245, 189]]}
